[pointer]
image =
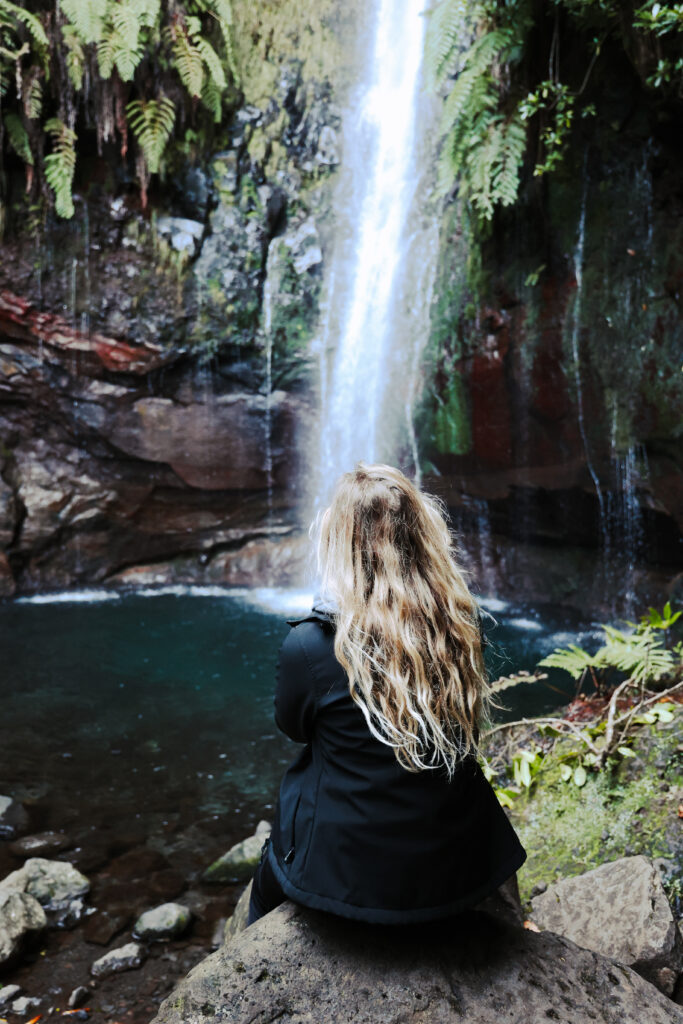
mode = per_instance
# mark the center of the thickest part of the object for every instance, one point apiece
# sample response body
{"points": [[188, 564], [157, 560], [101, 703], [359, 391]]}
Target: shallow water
{"points": [[144, 708]]}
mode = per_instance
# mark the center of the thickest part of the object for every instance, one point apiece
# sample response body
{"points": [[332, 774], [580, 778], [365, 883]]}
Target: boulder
{"points": [[296, 964], [164, 922], [619, 909], [239, 863], [56, 885], [13, 817], [125, 958], [22, 919]]}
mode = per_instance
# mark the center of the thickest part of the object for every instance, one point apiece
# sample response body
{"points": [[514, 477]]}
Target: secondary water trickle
{"points": [[381, 271]]}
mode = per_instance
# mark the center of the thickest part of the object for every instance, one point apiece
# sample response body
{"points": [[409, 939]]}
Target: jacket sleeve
{"points": [[294, 692]]}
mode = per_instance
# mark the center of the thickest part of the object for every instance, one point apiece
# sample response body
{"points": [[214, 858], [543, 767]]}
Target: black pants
{"points": [[266, 893]]}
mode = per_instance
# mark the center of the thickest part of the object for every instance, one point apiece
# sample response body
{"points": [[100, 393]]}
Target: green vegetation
{"points": [[499, 64], [587, 786], [602, 735], [117, 67]]}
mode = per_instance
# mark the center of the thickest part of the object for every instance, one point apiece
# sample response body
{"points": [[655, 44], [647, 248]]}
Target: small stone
{"points": [[78, 997], [164, 922], [238, 864], [39, 844], [25, 1004], [604, 835], [539, 888], [13, 817], [125, 958], [7, 994], [264, 828]]}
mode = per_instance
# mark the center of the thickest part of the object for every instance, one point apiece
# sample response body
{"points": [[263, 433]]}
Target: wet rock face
{"points": [[154, 384], [296, 964]]}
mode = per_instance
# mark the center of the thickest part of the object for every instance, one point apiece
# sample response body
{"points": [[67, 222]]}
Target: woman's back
{"points": [[358, 835], [386, 816]]}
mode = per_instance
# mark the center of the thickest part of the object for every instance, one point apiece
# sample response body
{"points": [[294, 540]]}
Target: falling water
{"points": [[372, 319], [576, 326], [268, 414]]}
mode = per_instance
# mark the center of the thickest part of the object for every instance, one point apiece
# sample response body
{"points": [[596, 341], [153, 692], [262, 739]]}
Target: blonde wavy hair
{"points": [[407, 627]]}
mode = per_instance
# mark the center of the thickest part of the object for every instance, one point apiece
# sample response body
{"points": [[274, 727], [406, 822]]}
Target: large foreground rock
{"points": [[297, 965], [619, 909]]}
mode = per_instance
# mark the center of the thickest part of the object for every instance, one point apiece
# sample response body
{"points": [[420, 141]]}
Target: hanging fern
{"points": [[60, 165], [75, 56], [483, 148], [190, 40], [186, 58], [18, 137], [31, 21], [87, 17], [152, 123], [33, 94]]}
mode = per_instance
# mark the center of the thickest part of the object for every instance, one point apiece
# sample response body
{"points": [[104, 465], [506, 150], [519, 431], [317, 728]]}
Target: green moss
{"points": [[567, 830], [451, 431]]}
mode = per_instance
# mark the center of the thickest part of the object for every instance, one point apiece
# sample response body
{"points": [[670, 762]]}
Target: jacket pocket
{"points": [[290, 850]]}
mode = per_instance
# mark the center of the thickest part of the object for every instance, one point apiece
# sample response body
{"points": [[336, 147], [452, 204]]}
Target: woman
{"points": [[385, 816]]}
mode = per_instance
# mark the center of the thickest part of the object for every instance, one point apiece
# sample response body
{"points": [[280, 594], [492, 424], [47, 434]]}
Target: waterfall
{"points": [[382, 266]]}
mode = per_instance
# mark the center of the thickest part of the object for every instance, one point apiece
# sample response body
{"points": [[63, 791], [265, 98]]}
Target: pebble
{"points": [[539, 888], [39, 844], [164, 922], [125, 958], [25, 1004], [78, 996], [7, 994]]}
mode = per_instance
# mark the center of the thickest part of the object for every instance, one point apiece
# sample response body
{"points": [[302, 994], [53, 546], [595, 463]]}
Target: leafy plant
{"points": [[60, 165], [480, 59], [152, 124], [592, 745], [51, 54]]}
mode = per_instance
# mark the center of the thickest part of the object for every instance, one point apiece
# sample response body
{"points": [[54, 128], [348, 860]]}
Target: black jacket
{"points": [[355, 833]]}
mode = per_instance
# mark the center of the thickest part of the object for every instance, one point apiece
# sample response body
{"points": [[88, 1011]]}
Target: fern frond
{"points": [[87, 17], [572, 659], [106, 53], [126, 20], [211, 98], [75, 57], [33, 94], [446, 37], [32, 22], [224, 14], [506, 174], [152, 123], [18, 137], [213, 63], [60, 165], [187, 59]]}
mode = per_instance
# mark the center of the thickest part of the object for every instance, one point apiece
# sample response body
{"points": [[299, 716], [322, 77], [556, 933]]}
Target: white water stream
{"points": [[380, 280]]}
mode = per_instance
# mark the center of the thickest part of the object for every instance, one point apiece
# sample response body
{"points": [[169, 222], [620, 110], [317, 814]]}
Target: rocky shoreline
{"points": [[108, 944]]}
